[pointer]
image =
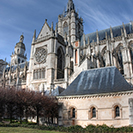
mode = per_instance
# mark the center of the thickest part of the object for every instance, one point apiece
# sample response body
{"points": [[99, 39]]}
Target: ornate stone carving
{"points": [[40, 55]]}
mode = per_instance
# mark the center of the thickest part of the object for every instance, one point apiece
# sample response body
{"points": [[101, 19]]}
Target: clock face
{"points": [[76, 44], [40, 55]]}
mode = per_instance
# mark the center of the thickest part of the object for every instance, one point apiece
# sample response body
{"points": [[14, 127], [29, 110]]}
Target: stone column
{"points": [[36, 76], [38, 73], [130, 103], [130, 61], [98, 63], [66, 76], [108, 58]]}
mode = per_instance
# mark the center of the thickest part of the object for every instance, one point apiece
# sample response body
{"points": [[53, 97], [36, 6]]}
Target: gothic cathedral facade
{"points": [[59, 54]]}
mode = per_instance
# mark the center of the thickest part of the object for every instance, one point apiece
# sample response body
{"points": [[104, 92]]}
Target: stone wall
{"points": [[105, 109]]}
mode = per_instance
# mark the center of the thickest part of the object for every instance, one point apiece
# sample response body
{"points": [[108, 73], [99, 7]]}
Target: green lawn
{"points": [[23, 130]]}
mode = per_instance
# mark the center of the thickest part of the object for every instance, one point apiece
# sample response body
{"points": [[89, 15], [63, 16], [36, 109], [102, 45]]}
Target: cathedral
{"points": [[96, 70]]}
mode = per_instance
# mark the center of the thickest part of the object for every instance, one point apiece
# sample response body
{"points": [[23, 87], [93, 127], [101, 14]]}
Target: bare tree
{"points": [[10, 101], [2, 102]]}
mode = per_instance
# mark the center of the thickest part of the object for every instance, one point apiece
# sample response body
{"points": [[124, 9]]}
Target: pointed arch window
{"points": [[103, 59], [60, 63], [119, 59], [93, 112], [72, 113], [117, 111], [65, 29]]}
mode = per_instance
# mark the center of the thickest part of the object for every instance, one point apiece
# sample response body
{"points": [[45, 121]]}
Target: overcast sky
{"points": [[24, 16]]}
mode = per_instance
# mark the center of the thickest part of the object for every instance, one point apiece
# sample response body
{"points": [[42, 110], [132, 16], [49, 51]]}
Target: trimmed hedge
{"points": [[75, 129]]}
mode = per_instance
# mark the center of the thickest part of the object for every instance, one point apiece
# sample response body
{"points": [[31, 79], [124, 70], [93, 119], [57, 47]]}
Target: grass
{"points": [[23, 130]]}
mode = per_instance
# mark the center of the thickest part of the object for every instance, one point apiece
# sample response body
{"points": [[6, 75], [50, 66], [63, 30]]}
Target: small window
{"points": [[73, 113], [93, 112], [17, 50], [117, 111], [18, 60]]}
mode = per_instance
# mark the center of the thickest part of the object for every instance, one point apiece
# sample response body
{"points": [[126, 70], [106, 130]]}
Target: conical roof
{"points": [[95, 81]]}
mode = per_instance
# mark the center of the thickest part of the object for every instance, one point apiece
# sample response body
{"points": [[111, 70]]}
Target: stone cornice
{"points": [[96, 95]]}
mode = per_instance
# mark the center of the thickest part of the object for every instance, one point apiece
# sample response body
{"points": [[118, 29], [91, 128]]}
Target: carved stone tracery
{"points": [[41, 55]]}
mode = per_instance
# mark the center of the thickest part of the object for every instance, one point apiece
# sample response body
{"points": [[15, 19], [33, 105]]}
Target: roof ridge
{"points": [[99, 68], [106, 29]]}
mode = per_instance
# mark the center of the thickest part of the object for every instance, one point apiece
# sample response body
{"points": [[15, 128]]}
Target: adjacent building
{"points": [[97, 96]]}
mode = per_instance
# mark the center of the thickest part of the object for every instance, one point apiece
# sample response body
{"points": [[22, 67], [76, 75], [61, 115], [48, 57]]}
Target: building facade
{"points": [[58, 56], [97, 96]]}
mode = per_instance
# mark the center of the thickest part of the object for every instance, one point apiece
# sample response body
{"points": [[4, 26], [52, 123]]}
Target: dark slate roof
{"points": [[57, 91], [116, 32], [96, 81], [15, 66]]}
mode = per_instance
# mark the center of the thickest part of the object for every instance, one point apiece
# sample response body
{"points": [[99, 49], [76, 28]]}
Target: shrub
{"points": [[76, 129], [90, 128]]}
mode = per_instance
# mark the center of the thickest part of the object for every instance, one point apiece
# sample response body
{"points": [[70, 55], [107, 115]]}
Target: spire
{"points": [[21, 38], [83, 40], [97, 37], [106, 35], [56, 29], [125, 33], [64, 11], [107, 42], [34, 37], [88, 40], [111, 33], [122, 33], [52, 26], [70, 6]]}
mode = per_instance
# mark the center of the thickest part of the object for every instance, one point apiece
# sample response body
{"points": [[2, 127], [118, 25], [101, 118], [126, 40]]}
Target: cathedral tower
{"points": [[69, 23], [18, 56]]}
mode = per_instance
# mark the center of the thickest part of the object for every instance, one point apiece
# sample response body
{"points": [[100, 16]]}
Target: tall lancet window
{"points": [[103, 61], [60, 63], [65, 29], [131, 53], [119, 59]]}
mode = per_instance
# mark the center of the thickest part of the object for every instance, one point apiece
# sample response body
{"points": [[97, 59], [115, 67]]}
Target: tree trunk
{"points": [[37, 116], [20, 120], [10, 117], [0, 118], [26, 114]]}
